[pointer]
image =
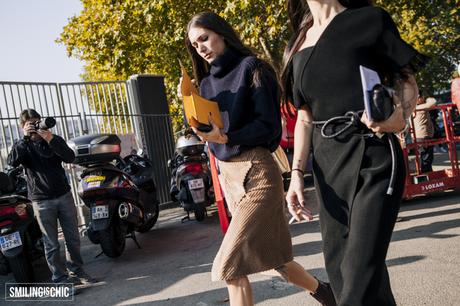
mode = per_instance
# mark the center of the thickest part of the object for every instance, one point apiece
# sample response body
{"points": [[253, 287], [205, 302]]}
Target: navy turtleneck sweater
{"points": [[250, 113]]}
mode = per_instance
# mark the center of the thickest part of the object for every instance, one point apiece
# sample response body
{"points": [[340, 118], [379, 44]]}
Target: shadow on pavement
{"points": [[165, 250], [175, 260], [427, 231], [271, 289], [440, 199], [403, 260], [431, 214]]}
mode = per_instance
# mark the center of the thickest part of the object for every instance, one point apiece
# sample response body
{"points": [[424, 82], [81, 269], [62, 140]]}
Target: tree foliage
{"points": [[119, 38], [433, 28]]}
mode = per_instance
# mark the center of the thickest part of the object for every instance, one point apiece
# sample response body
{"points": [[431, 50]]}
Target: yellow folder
{"points": [[197, 107]]}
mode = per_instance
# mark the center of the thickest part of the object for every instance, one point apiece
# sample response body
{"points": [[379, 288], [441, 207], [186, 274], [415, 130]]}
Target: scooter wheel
{"points": [[200, 214], [93, 236], [144, 228], [21, 266], [112, 239], [4, 267]]}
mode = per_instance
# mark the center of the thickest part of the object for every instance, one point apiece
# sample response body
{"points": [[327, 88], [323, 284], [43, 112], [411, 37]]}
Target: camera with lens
{"points": [[46, 124]]}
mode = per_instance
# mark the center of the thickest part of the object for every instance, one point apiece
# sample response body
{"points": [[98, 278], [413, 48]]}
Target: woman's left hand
{"points": [[215, 135], [395, 123]]}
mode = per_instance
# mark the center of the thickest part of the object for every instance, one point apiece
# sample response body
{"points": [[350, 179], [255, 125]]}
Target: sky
{"points": [[28, 51]]}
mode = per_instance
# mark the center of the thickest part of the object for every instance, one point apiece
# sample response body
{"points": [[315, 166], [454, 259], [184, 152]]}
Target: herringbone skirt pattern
{"points": [[258, 238]]}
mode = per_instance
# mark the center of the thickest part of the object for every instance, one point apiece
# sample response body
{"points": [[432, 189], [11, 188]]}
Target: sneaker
{"points": [[74, 280], [70, 280], [83, 277]]}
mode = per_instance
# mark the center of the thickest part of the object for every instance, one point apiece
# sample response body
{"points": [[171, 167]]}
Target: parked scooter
{"points": [[191, 182], [19, 231], [120, 193]]}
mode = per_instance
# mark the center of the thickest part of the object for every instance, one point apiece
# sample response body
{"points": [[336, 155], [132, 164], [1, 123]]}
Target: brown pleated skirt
{"points": [[258, 238]]}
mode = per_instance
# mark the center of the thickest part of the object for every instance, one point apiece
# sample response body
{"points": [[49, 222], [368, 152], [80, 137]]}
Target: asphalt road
{"points": [[173, 266]]}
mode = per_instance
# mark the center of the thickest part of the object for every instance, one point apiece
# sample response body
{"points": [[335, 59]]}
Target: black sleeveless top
{"points": [[327, 80], [326, 76]]}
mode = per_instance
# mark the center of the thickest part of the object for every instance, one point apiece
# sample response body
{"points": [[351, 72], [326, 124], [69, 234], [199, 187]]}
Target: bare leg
{"points": [[299, 277], [240, 292]]}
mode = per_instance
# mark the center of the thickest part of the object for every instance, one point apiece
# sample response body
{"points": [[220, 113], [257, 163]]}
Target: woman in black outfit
{"points": [[352, 168]]}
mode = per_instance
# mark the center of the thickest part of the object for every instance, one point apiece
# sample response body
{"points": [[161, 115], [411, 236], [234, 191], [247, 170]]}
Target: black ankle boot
{"points": [[324, 294]]}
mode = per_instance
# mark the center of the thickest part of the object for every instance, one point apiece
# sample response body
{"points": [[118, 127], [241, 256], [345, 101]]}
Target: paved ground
{"points": [[173, 266]]}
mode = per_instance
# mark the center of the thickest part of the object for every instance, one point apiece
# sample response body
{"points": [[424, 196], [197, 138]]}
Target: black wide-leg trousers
{"points": [[355, 246]]}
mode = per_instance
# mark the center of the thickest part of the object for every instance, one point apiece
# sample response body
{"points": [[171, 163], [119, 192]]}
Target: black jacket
{"points": [[46, 177]]}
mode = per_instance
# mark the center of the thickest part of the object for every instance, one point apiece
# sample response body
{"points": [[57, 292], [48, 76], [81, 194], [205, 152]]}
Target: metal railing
{"points": [[86, 108]]}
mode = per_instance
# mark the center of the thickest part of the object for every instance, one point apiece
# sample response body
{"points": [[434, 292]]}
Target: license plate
{"points": [[10, 241], [100, 212], [196, 184], [94, 184], [94, 178]]}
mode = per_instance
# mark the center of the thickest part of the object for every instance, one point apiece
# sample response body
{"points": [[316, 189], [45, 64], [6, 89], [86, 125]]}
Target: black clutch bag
{"points": [[381, 103]]}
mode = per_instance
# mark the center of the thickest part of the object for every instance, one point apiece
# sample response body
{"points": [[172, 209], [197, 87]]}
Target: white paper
{"points": [[369, 78]]}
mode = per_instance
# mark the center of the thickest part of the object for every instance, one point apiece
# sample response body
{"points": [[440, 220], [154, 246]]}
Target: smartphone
{"points": [[205, 128]]}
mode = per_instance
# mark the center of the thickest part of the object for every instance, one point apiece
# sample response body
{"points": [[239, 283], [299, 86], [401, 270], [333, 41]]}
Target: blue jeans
{"points": [[48, 212]]}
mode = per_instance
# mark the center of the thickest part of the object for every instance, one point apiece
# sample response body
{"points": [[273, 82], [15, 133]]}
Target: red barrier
{"points": [[424, 183], [220, 199]]}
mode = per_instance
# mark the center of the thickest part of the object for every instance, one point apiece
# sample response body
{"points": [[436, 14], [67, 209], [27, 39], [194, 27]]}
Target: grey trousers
{"points": [[48, 212], [426, 156]]}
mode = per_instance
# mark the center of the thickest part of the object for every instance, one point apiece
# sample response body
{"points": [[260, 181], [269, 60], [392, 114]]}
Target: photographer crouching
{"points": [[41, 153]]}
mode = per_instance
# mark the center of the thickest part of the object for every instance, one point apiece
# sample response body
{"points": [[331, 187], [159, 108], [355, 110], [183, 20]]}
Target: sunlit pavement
{"points": [[173, 266]]}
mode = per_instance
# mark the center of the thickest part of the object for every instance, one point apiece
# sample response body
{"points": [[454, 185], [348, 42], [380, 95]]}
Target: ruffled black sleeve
{"points": [[396, 53], [297, 97]]}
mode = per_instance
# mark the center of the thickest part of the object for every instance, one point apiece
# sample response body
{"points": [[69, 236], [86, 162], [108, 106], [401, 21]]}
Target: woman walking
{"points": [[246, 90], [359, 175]]}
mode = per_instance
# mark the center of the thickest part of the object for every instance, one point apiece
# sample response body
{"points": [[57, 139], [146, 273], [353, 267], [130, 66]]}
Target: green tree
{"points": [[117, 39], [433, 28]]}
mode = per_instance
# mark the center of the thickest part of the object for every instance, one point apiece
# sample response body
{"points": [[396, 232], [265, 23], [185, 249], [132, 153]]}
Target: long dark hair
{"points": [[300, 21], [213, 22]]}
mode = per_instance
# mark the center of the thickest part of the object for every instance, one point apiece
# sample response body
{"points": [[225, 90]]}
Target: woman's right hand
{"points": [[179, 90], [295, 199], [394, 124], [179, 87]]}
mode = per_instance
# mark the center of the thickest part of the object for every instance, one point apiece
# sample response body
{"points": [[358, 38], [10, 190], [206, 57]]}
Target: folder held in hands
{"points": [[198, 109]]}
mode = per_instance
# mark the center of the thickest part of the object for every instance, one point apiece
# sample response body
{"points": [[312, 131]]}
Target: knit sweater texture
{"points": [[250, 110]]}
